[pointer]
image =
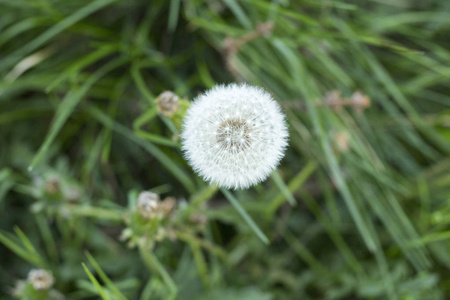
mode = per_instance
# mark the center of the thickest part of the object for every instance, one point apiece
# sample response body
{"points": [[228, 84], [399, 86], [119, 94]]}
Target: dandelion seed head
{"points": [[40, 279], [234, 135], [148, 204]]}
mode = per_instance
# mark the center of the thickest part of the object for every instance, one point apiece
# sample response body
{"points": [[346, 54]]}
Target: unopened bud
{"points": [[360, 101], [167, 205], [333, 99], [342, 141], [198, 219], [167, 103], [72, 194], [52, 185]]}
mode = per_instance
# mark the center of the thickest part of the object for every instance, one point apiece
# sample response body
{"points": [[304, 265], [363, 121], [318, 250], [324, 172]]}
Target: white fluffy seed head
{"points": [[234, 135], [148, 204], [40, 279]]}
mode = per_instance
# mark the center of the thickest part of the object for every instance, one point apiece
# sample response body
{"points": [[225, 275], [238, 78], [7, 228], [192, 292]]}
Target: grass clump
{"points": [[358, 208]]}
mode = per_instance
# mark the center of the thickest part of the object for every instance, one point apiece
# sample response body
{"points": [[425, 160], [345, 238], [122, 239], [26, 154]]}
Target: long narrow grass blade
{"points": [[283, 188], [68, 105], [245, 216], [54, 30], [95, 282]]}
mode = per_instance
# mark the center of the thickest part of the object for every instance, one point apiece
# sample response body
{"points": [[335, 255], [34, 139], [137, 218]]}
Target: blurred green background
{"points": [[358, 209]]}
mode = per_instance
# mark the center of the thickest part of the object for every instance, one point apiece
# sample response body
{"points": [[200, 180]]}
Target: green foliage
{"points": [[358, 209]]}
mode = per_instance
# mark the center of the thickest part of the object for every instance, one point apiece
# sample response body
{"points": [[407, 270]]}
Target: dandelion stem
{"points": [[155, 265], [245, 216], [96, 212]]}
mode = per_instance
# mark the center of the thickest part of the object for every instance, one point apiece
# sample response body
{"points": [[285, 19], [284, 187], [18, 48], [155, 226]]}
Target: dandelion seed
{"points": [[234, 135], [40, 279]]}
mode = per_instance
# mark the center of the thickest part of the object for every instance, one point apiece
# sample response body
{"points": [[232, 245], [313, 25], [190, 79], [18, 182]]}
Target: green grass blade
{"points": [[94, 281], [104, 277], [245, 216], [55, 30], [152, 149], [283, 187], [294, 185], [32, 257], [68, 105], [174, 14]]}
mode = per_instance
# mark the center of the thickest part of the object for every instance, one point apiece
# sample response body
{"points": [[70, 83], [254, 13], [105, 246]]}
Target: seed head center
{"points": [[234, 135]]}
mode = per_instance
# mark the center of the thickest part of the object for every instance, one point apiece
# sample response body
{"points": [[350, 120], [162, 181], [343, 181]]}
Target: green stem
{"points": [[96, 212], [155, 265]]}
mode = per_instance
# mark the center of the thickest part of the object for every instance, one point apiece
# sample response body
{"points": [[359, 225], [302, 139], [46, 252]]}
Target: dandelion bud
{"points": [[198, 219], [265, 28], [342, 141], [167, 206], [360, 101], [234, 135], [40, 279], [167, 103], [333, 99], [148, 204], [52, 186], [72, 194]]}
